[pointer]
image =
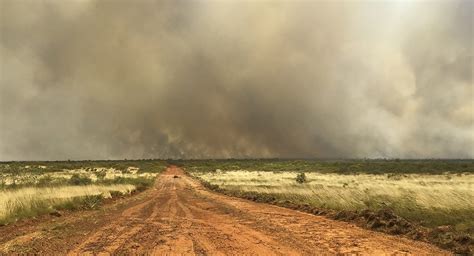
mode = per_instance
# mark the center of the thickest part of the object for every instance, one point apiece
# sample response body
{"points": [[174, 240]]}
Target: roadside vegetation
{"points": [[424, 199], [28, 189], [346, 166]]}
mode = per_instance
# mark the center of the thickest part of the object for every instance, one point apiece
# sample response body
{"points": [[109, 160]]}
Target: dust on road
{"points": [[179, 217]]}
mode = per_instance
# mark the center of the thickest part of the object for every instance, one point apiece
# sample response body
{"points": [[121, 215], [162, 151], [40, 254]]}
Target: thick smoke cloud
{"points": [[85, 79]]}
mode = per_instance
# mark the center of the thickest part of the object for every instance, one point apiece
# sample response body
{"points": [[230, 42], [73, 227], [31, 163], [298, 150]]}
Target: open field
{"points": [[29, 189], [432, 194], [433, 200], [178, 216], [340, 166], [425, 200]]}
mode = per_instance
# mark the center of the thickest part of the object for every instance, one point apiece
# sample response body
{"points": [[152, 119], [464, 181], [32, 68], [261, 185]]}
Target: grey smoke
{"points": [[86, 79]]}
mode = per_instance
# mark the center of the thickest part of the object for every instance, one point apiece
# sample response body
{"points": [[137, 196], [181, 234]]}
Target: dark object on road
{"points": [[176, 176], [55, 214]]}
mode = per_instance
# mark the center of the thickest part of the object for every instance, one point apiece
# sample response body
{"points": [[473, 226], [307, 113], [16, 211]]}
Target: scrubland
{"points": [[431, 200], [32, 201], [28, 189]]}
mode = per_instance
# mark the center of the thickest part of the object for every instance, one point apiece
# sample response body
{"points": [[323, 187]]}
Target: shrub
{"points": [[100, 175], [115, 194], [301, 177], [79, 180], [90, 202]]}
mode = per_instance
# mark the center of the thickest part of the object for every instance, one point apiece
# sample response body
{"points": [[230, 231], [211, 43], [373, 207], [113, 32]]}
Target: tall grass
{"points": [[32, 201], [431, 200], [31, 188]]}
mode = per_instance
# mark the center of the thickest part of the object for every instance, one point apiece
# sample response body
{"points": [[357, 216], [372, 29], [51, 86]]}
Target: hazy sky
{"points": [[86, 79]]}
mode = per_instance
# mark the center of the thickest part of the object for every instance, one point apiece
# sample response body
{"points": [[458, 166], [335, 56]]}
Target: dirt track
{"points": [[179, 217]]}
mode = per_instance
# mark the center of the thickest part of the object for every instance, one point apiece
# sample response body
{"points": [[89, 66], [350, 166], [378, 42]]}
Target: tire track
{"points": [[179, 217]]}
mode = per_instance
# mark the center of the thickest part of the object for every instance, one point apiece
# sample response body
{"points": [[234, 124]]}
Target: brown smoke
{"points": [[86, 79]]}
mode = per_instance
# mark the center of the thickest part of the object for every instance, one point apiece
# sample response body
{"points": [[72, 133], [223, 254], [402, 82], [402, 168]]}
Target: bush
{"points": [[92, 201], [100, 175], [79, 180], [301, 178]]}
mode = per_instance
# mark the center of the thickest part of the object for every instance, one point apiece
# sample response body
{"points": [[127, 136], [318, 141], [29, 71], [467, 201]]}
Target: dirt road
{"points": [[179, 217]]}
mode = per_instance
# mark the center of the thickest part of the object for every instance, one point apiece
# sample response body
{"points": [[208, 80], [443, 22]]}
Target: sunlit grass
{"points": [[66, 177], [28, 202], [31, 190], [431, 200]]}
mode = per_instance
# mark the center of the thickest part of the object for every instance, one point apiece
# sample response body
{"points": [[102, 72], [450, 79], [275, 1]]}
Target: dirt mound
{"points": [[447, 237], [382, 220], [385, 220]]}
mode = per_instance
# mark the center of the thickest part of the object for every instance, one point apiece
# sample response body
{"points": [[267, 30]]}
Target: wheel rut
{"points": [[180, 217]]}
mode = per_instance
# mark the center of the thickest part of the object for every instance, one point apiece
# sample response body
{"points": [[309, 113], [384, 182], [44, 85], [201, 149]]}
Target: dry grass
{"points": [[27, 202], [31, 190], [429, 199], [96, 175]]}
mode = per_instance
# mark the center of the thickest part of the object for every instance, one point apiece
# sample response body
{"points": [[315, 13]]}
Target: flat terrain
{"points": [[179, 217]]}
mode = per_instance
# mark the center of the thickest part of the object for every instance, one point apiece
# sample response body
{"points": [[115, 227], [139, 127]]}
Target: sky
{"points": [[87, 79]]}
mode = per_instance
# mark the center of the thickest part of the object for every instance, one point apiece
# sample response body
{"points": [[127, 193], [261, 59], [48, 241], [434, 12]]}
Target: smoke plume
{"points": [[86, 79]]}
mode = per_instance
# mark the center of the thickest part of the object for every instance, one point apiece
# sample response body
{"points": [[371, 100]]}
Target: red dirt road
{"points": [[179, 217]]}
